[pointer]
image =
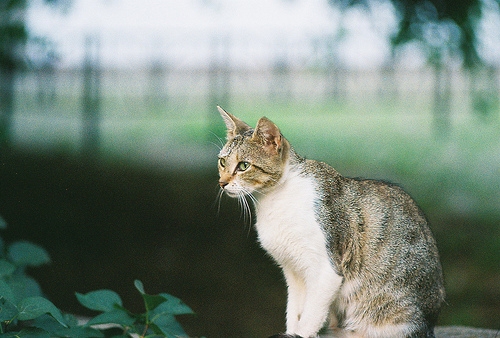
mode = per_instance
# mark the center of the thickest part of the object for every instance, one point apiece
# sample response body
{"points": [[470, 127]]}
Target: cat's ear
{"points": [[269, 134], [234, 125]]}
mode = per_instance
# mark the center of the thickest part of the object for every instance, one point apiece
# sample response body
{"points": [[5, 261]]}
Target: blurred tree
{"points": [[336, 71], [438, 23], [447, 30], [14, 36]]}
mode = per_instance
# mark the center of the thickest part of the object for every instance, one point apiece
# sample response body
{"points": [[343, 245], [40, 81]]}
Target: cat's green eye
{"points": [[222, 162], [242, 166]]}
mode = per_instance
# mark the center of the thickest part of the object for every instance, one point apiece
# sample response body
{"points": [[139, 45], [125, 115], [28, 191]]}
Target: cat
{"points": [[357, 252]]}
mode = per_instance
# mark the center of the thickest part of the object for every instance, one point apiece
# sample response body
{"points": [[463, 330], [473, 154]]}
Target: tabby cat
{"points": [[357, 253]]}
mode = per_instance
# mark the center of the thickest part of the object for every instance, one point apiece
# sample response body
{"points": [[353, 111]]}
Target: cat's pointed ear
{"points": [[234, 125], [269, 134]]}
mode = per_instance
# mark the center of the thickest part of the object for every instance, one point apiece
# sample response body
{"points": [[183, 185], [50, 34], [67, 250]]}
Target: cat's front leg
{"points": [[296, 298], [321, 289]]}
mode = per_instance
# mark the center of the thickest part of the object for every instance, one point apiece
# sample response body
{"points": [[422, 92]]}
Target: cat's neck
{"points": [[294, 160], [292, 168]]}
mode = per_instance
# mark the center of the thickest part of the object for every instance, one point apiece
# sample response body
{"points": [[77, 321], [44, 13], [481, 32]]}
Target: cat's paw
{"points": [[285, 335]]}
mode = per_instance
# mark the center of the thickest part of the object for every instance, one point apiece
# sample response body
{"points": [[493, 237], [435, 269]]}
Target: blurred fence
{"points": [[84, 97], [41, 91]]}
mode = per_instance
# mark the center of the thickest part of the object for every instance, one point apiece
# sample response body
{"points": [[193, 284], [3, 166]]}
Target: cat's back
{"points": [[367, 220], [365, 198]]}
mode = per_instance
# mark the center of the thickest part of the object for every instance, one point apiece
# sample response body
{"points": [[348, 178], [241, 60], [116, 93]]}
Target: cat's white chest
{"points": [[287, 225]]}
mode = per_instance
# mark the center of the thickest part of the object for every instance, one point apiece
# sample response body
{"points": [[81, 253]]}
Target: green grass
{"points": [[370, 139]]}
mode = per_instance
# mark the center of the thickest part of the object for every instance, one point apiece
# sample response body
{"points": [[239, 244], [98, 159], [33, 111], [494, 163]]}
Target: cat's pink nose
{"points": [[223, 184]]}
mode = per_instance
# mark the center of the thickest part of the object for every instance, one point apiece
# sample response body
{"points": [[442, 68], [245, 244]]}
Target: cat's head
{"points": [[253, 159]]}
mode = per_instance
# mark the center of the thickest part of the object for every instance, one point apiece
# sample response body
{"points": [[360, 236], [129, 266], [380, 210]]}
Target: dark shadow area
{"points": [[107, 224]]}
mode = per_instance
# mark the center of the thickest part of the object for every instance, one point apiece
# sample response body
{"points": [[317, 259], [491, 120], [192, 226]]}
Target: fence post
{"points": [[91, 98], [484, 91], [281, 87], [442, 100], [219, 73]]}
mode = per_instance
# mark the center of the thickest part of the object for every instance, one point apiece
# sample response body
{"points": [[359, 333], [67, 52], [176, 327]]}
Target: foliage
{"points": [[440, 25], [24, 312], [14, 37], [157, 321], [14, 33]]}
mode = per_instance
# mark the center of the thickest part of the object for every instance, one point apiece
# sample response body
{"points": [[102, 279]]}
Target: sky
{"points": [[186, 31], [250, 33]]}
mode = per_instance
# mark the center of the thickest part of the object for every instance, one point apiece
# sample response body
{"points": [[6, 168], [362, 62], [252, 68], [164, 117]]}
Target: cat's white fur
{"points": [[288, 230]]}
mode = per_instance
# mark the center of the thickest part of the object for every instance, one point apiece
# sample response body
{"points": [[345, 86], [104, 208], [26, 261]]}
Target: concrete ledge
{"points": [[464, 332], [454, 332]]}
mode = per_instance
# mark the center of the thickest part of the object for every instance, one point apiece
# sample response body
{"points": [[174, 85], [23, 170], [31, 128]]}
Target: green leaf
{"points": [[100, 300], [47, 322], [113, 317], [33, 307], [70, 320], [2, 247], [6, 268], [6, 292], [163, 316], [23, 286], [173, 305], [24, 253], [80, 332], [52, 326], [150, 301], [8, 311], [3, 224], [139, 286], [29, 332], [168, 326]]}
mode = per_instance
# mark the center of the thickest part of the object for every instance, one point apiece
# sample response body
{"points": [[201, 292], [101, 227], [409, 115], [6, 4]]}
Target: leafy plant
{"points": [[157, 321], [24, 312]]}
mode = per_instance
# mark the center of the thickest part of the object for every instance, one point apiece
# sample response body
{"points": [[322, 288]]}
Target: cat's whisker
{"points": [[218, 199], [219, 148], [216, 145], [241, 203], [246, 209], [244, 205], [221, 141], [241, 206], [244, 202], [253, 199]]}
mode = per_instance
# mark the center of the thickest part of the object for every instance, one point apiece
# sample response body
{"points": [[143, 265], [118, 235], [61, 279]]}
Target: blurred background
{"points": [[109, 134]]}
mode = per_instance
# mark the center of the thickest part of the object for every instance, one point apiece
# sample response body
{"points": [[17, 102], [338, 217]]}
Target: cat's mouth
{"points": [[235, 193]]}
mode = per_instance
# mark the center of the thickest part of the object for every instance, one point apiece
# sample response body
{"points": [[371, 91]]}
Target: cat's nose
{"points": [[223, 184]]}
